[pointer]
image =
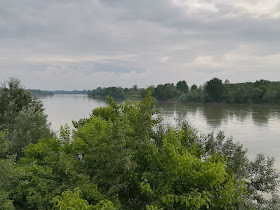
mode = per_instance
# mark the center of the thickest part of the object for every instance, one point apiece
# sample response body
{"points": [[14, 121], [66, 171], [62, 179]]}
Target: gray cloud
{"points": [[71, 44]]}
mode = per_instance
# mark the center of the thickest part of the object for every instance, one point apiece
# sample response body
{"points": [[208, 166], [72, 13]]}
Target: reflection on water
{"points": [[256, 127], [217, 114]]}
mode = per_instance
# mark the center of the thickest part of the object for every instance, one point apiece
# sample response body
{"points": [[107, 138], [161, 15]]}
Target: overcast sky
{"points": [[70, 44]]}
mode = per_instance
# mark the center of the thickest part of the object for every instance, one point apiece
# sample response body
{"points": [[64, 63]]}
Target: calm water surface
{"points": [[63, 108], [256, 127]]}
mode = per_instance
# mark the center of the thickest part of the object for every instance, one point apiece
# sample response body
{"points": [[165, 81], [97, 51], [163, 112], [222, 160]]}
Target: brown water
{"points": [[256, 127]]}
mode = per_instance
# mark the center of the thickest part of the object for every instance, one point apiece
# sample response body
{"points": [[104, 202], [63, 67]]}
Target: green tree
{"points": [[50, 172], [214, 90], [13, 97], [6, 174], [17, 108], [257, 95], [73, 200], [260, 176], [135, 88], [261, 82], [166, 92], [24, 133], [239, 95], [47, 171], [127, 153], [193, 87], [182, 86], [156, 161], [115, 92]]}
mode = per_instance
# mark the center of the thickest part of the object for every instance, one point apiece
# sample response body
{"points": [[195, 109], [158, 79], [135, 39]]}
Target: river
{"points": [[257, 127]]}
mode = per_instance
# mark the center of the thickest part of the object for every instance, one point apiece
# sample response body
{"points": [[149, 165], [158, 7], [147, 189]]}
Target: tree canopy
{"points": [[182, 86], [214, 89], [22, 117]]}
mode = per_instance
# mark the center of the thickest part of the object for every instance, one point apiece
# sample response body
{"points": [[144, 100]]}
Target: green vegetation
{"points": [[70, 92], [215, 91], [166, 92], [21, 117], [123, 157], [182, 86], [38, 92], [118, 92]]}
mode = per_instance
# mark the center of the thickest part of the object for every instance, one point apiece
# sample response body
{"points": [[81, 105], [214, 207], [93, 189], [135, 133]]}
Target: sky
{"points": [[70, 44]]}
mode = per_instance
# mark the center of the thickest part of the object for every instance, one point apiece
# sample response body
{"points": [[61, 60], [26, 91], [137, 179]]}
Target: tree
{"points": [[12, 99], [239, 95], [135, 88], [24, 133], [166, 92], [44, 175], [260, 82], [226, 82], [214, 89], [72, 200], [182, 86], [17, 108], [7, 168], [257, 95], [260, 176], [193, 87], [115, 92], [126, 152]]}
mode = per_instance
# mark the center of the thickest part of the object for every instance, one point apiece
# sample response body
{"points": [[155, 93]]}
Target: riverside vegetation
{"points": [[213, 91], [123, 157]]}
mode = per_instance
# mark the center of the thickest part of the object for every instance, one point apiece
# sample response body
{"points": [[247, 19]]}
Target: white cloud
{"points": [[196, 6], [254, 8], [259, 8]]}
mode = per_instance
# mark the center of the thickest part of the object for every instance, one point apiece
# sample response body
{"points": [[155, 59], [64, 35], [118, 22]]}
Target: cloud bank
{"points": [[71, 44]]}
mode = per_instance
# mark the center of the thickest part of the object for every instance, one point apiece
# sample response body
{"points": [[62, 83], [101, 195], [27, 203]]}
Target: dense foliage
{"points": [[21, 117], [124, 157], [214, 90]]}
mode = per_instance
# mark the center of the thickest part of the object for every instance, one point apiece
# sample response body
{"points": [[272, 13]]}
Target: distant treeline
{"points": [[41, 92], [70, 92], [46, 92], [216, 91], [213, 91], [118, 92]]}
